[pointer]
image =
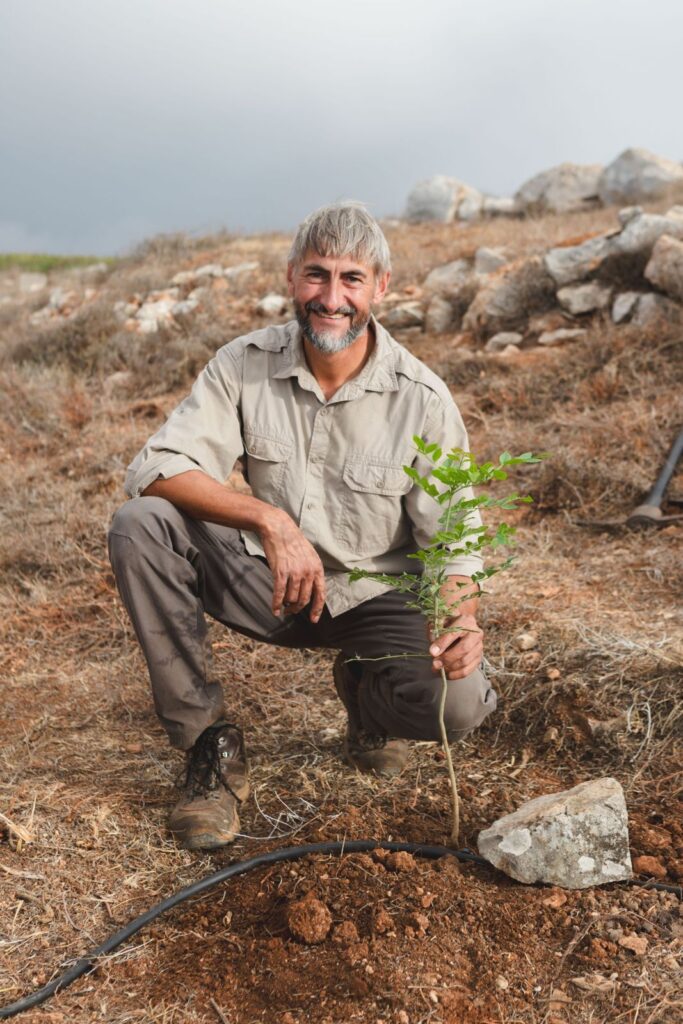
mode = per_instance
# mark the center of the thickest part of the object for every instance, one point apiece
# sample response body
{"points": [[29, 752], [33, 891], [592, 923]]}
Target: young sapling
{"points": [[446, 478]]}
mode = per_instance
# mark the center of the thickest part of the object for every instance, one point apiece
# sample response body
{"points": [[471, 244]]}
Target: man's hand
{"points": [[459, 652], [298, 574]]}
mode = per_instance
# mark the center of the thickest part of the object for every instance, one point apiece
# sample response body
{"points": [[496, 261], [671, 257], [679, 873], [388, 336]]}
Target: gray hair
{"points": [[342, 229]]}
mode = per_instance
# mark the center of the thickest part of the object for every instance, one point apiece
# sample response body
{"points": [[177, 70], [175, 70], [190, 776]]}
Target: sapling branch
{"points": [[458, 472]]}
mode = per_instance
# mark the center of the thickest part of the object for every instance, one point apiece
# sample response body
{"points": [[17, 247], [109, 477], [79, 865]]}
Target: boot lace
{"points": [[203, 773]]}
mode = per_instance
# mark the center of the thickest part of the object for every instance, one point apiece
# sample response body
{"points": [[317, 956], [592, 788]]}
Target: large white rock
{"points": [[272, 304], [560, 189], [569, 263], [638, 175], [574, 839], [665, 268], [653, 310], [509, 297], [440, 316], [642, 231], [561, 335], [499, 342], [239, 271], [408, 314], [449, 279], [624, 306], [487, 260], [439, 198], [584, 298], [156, 311]]}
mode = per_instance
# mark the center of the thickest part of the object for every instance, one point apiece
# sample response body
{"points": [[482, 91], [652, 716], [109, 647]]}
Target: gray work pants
{"points": [[170, 569]]}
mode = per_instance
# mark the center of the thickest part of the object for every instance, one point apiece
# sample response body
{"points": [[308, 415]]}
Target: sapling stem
{"points": [[459, 534], [455, 827]]}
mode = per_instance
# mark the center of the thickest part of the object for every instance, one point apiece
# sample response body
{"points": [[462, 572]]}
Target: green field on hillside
{"points": [[44, 262]]}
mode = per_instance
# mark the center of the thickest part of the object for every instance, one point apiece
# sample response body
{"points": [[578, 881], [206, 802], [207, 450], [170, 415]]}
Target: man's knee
{"points": [[468, 702], [136, 515]]}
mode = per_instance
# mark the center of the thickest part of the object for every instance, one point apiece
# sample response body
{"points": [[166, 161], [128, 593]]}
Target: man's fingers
{"points": [[466, 670], [318, 597], [293, 589], [279, 587]]}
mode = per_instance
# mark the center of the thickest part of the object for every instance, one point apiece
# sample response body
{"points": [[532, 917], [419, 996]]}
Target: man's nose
{"points": [[331, 296]]}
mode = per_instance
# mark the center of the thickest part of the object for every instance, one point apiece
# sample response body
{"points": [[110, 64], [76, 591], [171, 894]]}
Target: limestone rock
{"points": [[627, 213], [500, 206], [209, 270], [574, 839], [561, 335], [560, 189], [241, 270], [566, 264], [470, 205], [665, 269], [156, 311], [507, 298], [624, 306], [450, 279], [487, 260], [183, 277], [408, 314], [584, 298], [438, 198], [440, 316], [499, 342], [271, 305], [643, 230], [638, 175], [653, 309]]}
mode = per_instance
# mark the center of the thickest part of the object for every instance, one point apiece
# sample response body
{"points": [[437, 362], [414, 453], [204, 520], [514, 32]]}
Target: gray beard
{"points": [[327, 341]]}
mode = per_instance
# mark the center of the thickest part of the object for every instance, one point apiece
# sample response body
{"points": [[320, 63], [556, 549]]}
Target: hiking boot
{"points": [[216, 781], [368, 752]]}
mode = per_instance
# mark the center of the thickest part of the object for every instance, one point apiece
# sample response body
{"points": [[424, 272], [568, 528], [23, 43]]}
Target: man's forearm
{"points": [[455, 589], [204, 498]]}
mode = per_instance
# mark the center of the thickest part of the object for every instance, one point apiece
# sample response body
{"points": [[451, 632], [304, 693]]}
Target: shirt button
{"points": [[309, 505]]}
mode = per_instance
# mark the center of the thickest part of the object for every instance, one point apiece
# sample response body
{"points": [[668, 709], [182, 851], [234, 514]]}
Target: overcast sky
{"points": [[120, 119]]}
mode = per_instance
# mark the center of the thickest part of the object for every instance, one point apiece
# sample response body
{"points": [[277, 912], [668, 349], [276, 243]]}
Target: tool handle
{"points": [[657, 493]]}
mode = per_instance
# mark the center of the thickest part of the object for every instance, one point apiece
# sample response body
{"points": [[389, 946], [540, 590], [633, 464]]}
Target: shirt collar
{"points": [[378, 374]]}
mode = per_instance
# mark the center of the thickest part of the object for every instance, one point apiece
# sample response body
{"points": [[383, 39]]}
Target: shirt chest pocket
{"points": [[267, 458], [373, 519]]}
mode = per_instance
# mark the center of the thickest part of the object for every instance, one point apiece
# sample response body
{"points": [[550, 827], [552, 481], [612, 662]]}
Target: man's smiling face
{"points": [[333, 298]]}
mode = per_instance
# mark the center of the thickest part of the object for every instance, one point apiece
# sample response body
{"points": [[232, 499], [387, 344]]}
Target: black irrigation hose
{"points": [[89, 962]]}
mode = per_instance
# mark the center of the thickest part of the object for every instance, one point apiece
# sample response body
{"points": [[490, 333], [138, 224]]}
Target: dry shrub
{"points": [[75, 343], [32, 398], [163, 248], [167, 359]]}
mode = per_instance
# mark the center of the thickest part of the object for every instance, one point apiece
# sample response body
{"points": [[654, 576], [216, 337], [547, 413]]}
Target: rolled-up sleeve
{"points": [[443, 426], [203, 432]]}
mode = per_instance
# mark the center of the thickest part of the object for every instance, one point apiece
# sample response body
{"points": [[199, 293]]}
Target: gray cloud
{"points": [[127, 117]]}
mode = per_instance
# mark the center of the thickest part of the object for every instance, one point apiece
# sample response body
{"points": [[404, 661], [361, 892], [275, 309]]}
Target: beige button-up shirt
{"points": [[336, 466]]}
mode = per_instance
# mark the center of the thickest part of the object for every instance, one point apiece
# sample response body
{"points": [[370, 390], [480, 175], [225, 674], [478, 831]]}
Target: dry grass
{"points": [[86, 773]]}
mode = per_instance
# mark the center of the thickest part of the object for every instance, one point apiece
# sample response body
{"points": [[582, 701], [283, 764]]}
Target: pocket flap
{"points": [[270, 449], [375, 478]]}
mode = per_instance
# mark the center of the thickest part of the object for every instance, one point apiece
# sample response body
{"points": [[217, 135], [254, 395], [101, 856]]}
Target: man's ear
{"points": [[381, 285], [290, 278]]}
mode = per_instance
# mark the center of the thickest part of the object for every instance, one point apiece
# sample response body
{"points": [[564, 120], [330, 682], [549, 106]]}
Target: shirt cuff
{"points": [[164, 466]]}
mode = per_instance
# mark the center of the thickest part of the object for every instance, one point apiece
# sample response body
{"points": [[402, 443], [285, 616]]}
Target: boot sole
{"points": [[207, 842]]}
